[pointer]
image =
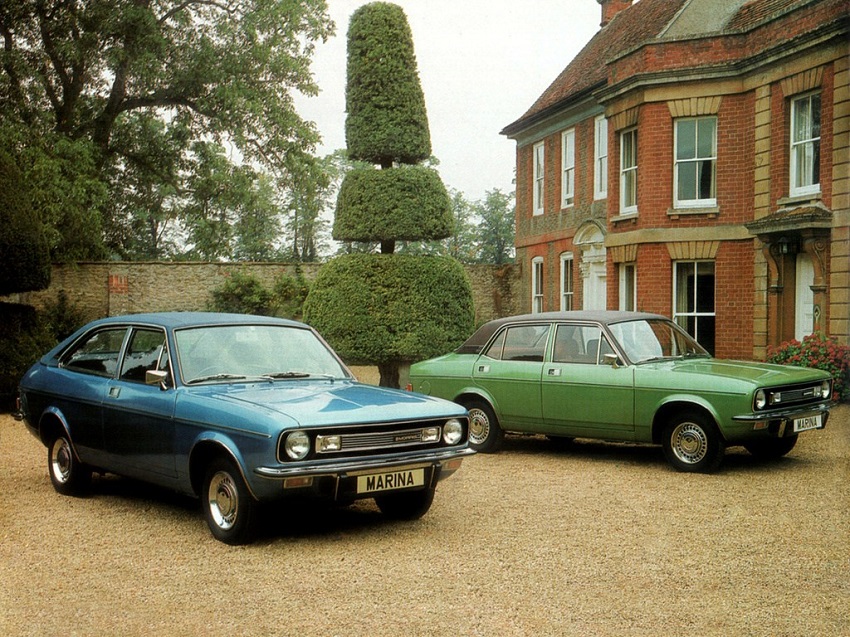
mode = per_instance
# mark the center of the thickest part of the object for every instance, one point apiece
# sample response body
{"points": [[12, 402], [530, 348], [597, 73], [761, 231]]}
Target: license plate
{"points": [[391, 480], [809, 422]]}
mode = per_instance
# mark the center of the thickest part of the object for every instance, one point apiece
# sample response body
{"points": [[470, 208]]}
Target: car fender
{"points": [[673, 403], [205, 447], [53, 412], [474, 392]]}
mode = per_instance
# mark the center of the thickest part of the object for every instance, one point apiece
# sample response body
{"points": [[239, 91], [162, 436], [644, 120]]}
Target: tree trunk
{"points": [[389, 374]]}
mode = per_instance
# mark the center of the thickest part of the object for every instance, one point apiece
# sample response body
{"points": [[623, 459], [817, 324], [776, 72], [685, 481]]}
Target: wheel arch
{"points": [[678, 405], [203, 453]]}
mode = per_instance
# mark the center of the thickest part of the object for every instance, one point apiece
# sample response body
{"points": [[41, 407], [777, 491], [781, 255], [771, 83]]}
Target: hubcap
{"points": [[689, 442], [223, 500], [60, 460], [479, 426]]}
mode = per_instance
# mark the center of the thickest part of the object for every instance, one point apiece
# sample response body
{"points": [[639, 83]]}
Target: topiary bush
{"points": [[23, 340], [404, 203], [378, 308], [818, 352]]}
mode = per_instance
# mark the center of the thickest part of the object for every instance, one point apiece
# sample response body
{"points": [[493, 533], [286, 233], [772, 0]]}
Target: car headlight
{"points": [[826, 389], [452, 432], [297, 445], [761, 399]]}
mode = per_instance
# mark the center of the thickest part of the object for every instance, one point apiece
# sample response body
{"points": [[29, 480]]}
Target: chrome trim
{"points": [[353, 466], [801, 411]]}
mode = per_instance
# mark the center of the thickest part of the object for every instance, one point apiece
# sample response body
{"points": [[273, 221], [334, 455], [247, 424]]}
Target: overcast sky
{"points": [[482, 63]]}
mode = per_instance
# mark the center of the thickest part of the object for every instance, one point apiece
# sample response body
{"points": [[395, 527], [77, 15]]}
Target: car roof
{"points": [[175, 320], [482, 335]]}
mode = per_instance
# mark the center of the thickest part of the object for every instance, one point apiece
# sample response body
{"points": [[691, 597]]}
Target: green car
{"points": [[624, 376]]}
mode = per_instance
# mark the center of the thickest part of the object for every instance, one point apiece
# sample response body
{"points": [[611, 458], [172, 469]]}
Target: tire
{"points": [[692, 443], [771, 448], [68, 475], [229, 508], [405, 505], [485, 434]]}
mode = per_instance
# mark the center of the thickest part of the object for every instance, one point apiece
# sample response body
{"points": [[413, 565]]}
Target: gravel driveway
{"points": [[604, 539]]}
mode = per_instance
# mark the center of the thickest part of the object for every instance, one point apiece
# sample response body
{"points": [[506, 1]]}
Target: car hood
{"points": [[328, 402], [750, 372]]}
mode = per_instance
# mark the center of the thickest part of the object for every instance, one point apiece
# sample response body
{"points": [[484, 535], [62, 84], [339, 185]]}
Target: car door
{"points": [[509, 371], [85, 370], [138, 420], [583, 395]]}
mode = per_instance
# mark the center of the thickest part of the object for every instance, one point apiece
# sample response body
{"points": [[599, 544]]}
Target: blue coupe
{"points": [[236, 410]]}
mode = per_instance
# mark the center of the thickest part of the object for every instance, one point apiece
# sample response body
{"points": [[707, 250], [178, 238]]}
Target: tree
{"points": [[22, 241], [387, 309], [497, 229], [86, 78]]}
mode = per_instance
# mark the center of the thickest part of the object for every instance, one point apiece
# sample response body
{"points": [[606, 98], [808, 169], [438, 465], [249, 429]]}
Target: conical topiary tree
{"points": [[388, 309]]}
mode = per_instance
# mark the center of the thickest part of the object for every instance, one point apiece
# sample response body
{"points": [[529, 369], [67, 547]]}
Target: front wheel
{"points": [[692, 443], [68, 475], [229, 508], [485, 434], [405, 505], [770, 448]]}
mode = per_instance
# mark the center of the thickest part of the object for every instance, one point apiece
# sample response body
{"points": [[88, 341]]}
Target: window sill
{"points": [[709, 211], [626, 216], [792, 201]]}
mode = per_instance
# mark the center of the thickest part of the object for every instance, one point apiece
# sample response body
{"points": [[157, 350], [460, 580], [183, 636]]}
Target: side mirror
{"points": [[612, 359], [157, 377]]}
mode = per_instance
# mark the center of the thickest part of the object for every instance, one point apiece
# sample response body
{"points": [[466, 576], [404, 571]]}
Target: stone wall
{"points": [[114, 288]]}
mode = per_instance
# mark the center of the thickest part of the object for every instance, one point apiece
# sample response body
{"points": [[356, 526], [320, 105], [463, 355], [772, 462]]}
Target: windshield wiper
{"points": [[291, 374], [201, 379]]}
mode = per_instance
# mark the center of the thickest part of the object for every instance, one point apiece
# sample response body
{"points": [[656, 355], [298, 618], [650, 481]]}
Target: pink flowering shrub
{"points": [[819, 352]]}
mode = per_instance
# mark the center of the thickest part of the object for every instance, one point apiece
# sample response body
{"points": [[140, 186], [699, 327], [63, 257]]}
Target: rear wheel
{"points": [[771, 448], [405, 505], [229, 508], [692, 443], [485, 434], [68, 475]]}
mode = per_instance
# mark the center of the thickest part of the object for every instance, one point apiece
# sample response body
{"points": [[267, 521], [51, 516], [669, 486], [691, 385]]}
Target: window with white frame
{"points": [[568, 167], [539, 170], [537, 285], [693, 300], [600, 158], [628, 287], [567, 285], [805, 145], [695, 173], [628, 171]]}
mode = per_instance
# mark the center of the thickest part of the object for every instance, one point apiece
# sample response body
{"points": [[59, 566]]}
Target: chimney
{"points": [[610, 8]]}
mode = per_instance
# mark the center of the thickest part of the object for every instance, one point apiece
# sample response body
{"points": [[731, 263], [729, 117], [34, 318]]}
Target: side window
{"points": [[539, 159], [520, 343], [695, 173], [145, 352], [580, 344], [97, 353], [805, 145]]}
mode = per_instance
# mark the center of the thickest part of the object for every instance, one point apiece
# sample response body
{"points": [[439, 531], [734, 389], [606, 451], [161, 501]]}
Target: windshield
{"points": [[655, 339], [234, 352]]}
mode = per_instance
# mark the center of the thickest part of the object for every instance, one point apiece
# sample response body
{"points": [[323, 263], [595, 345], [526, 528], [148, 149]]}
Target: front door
{"points": [[804, 315]]}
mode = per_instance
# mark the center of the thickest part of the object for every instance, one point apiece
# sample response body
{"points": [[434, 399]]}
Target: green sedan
{"points": [[624, 376]]}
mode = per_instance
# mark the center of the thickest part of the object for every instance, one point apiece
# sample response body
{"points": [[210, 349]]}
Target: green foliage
{"points": [[387, 121], [61, 318], [106, 101], [25, 257], [23, 340], [378, 308], [497, 228], [406, 203], [242, 294], [245, 294], [818, 352]]}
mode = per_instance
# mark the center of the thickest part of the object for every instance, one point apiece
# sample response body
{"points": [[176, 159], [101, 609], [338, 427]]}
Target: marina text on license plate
{"points": [[809, 422], [392, 480]]}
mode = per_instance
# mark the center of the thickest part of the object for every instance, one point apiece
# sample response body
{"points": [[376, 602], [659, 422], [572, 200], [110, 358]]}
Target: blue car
{"points": [[236, 410]]}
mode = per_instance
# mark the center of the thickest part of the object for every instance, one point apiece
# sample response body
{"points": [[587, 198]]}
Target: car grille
{"points": [[384, 440], [793, 395]]}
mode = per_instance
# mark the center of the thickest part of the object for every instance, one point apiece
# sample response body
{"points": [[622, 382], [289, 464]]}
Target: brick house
{"points": [[694, 160]]}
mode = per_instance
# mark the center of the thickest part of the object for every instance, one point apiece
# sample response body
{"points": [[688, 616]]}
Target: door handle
{"points": [[554, 371]]}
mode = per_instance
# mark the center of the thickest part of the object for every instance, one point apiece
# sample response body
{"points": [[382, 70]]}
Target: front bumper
{"points": [[780, 423], [337, 480]]}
